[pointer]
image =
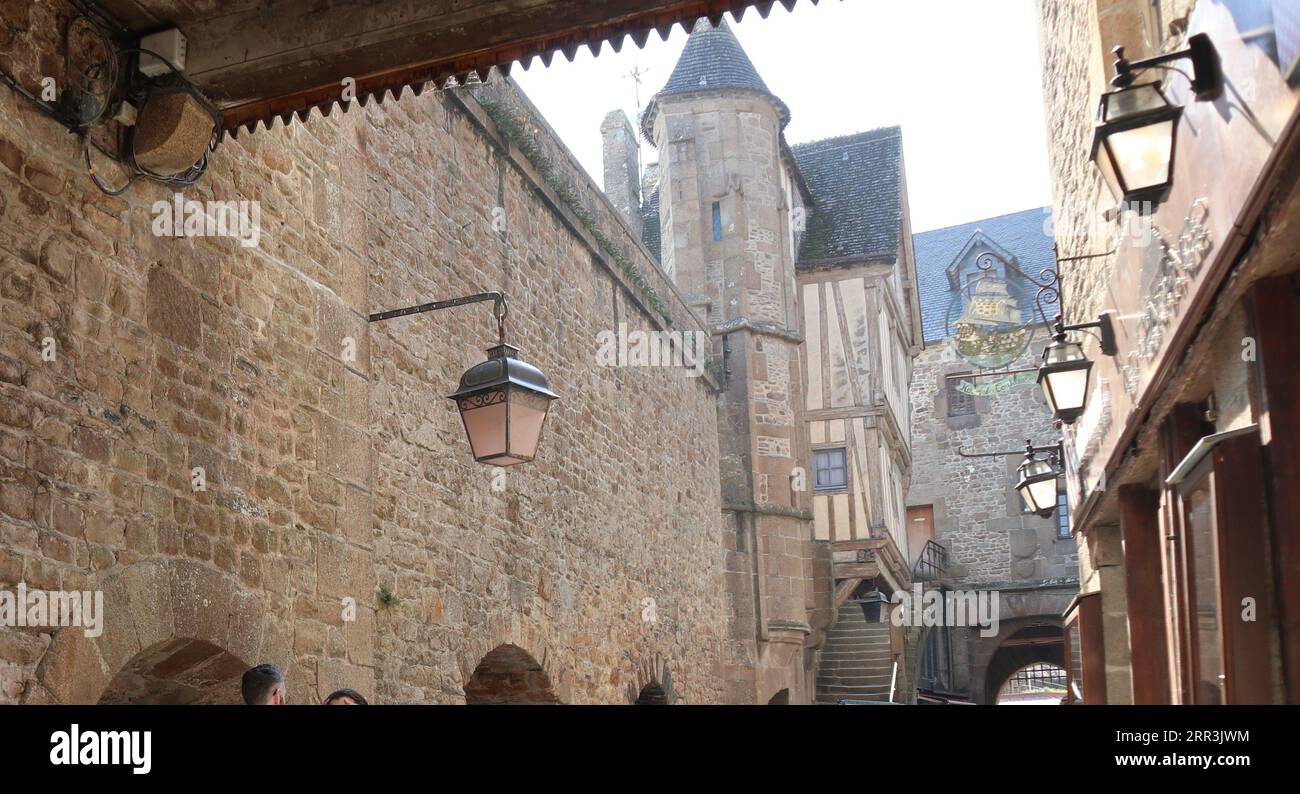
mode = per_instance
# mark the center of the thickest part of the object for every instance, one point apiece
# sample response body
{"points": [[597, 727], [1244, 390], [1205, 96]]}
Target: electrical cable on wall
{"points": [[84, 105]]}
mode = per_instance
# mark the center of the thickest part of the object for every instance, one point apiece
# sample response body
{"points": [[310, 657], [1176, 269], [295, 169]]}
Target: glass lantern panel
{"points": [[1066, 390], [1142, 154], [1040, 495], [527, 414], [485, 422], [1107, 168]]}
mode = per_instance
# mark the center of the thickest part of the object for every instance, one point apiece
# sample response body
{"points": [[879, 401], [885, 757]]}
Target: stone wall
{"points": [[334, 468], [977, 511]]}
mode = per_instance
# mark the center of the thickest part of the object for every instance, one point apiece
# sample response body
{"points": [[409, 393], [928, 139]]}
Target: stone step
{"points": [[877, 681], [857, 660], [867, 654], [834, 700], [856, 670], [856, 647], [842, 691], [856, 632]]}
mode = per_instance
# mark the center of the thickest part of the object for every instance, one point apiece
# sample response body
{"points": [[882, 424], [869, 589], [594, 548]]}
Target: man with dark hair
{"points": [[264, 686], [345, 697]]}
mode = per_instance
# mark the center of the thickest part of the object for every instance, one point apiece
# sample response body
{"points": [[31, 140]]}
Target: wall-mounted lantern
{"points": [[1037, 477], [502, 401], [1066, 373], [1037, 483], [1134, 139]]}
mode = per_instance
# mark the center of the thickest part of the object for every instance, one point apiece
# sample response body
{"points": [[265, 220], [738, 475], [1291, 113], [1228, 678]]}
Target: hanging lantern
{"points": [[1037, 486], [503, 404]]}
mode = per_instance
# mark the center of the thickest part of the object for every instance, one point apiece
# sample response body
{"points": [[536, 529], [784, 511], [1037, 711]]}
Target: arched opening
{"points": [[178, 672], [651, 695], [1036, 684], [781, 698], [1037, 644], [508, 674]]}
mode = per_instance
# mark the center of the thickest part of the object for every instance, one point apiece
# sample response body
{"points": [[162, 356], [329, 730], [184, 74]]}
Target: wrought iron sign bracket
{"points": [[1049, 294]]}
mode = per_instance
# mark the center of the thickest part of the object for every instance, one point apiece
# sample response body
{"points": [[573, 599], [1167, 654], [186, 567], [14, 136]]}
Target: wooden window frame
{"points": [[1084, 616], [1231, 465], [844, 453]]}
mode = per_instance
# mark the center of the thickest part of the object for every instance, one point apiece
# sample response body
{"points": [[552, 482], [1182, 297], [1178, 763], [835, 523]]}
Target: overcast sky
{"points": [[961, 77]]}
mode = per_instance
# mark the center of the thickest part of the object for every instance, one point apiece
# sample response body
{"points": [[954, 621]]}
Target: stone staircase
{"points": [[855, 661]]}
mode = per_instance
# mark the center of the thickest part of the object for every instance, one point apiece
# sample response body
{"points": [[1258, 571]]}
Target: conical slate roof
{"points": [[712, 60]]}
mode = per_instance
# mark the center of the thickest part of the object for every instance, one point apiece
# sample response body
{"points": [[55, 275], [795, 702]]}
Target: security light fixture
{"points": [[502, 401], [1134, 139]]}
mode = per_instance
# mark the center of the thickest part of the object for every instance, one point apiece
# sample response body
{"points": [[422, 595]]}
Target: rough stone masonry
{"points": [[333, 469]]}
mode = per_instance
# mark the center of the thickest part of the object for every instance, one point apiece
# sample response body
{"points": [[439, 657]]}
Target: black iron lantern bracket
{"points": [[499, 309], [1105, 331], [1034, 473], [1207, 72], [1055, 453], [502, 401]]}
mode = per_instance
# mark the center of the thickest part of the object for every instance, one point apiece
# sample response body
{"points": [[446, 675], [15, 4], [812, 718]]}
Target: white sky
{"points": [[962, 78]]}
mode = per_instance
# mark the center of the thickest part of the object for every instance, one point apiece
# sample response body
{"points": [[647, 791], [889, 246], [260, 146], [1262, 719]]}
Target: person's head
{"points": [[345, 697], [264, 686]]}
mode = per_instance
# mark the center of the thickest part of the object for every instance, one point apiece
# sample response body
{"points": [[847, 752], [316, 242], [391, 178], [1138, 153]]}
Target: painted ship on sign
{"points": [[989, 330]]}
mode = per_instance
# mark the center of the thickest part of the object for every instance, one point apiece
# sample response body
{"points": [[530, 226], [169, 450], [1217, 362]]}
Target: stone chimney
{"points": [[622, 182]]}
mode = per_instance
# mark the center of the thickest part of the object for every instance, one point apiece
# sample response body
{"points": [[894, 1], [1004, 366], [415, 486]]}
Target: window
{"points": [[830, 470], [1219, 487], [959, 402], [1062, 511], [717, 221]]}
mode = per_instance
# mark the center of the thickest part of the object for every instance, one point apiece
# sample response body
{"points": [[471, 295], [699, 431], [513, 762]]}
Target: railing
{"points": [[931, 563]]}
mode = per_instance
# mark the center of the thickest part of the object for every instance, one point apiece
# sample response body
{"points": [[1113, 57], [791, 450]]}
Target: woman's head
{"points": [[345, 697]]}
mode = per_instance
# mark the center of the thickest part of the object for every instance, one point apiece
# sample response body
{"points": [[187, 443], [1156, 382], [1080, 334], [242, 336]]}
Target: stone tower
{"points": [[622, 174], [726, 189]]}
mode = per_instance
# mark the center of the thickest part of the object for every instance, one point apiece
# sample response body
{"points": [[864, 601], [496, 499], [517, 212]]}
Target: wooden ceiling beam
{"points": [[262, 61]]}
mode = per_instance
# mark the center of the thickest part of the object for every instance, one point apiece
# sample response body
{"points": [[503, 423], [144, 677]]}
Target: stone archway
{"points": [[1035, 643], [653, 684], [1037, 683], [651, 695], [781, 698], [508, 628], [178, 672], [170, 629], [509, 675], [983, 663]]}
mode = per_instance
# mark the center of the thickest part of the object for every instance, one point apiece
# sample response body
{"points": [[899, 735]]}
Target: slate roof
{"points": [[1026, 235], [712, 59], [856, 185]]}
